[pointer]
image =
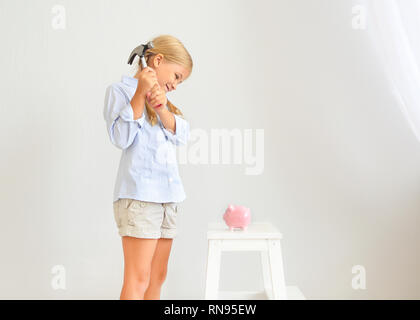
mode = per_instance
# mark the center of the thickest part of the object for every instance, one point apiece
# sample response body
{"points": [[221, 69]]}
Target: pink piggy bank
{"points": [[237, 217]]}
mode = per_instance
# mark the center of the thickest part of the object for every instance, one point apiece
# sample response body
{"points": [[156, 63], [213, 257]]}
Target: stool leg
{"points": [[265, 266], [276, 268], [213, 270]]}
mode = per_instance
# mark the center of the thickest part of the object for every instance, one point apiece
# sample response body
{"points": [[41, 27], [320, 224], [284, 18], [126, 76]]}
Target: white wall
{"points": [[341, 174]]}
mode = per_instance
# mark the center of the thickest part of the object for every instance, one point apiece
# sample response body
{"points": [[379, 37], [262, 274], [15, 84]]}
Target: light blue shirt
{"points": [[148, 170]]}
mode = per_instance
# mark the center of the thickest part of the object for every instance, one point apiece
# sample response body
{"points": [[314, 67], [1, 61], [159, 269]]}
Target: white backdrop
{"points": [[393, 28], [341, 173]]}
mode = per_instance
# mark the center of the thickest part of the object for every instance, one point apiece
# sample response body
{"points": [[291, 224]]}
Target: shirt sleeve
{"points": [[118, 114], [182, 131]]}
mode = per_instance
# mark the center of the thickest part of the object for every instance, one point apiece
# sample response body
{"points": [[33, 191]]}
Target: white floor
{"points": [[293, 293]]}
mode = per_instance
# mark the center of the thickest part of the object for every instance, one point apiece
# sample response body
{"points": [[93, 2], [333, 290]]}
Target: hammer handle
{"points": [[144, 65]]}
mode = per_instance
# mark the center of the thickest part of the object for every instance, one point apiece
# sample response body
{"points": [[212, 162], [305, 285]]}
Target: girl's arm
{"points": [[176, 129], [167, 119], [119, 116]]}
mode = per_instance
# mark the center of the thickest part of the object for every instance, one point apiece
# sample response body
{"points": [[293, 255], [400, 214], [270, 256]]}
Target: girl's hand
{"points": [[147, 79], [157, 97]]}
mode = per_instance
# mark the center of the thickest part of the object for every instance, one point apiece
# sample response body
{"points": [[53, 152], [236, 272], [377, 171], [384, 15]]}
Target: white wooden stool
{"points": [[259, 236]]}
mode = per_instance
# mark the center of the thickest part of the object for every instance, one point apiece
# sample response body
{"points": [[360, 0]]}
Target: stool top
{"points": [[255, 230]]}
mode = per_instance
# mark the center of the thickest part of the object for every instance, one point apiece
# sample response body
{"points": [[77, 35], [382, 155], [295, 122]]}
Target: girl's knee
{"points": [[138, 277], [137, 284], [158, 277]]}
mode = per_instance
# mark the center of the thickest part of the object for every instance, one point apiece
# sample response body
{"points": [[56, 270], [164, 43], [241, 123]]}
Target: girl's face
{"points": [[169, 75]]}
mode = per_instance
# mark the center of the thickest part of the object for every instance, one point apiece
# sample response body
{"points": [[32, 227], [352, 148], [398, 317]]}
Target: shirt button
{"points": [[170, 179]]}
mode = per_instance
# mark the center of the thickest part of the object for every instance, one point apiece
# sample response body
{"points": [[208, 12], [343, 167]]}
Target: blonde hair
{"points": [[173, 51]]}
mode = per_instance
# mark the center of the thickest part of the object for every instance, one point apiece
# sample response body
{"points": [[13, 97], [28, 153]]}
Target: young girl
{"points": [[147, 128]]}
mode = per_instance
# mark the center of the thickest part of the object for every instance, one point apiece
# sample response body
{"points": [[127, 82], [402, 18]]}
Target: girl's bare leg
{"points": [[159, 269], [138, 255]]}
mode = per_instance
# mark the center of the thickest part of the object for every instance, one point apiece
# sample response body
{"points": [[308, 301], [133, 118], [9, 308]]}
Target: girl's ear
{"points": [[159, 58]]}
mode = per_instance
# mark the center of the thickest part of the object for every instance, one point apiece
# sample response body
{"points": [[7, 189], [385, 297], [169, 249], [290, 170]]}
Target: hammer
{"points": [[140, 51]]}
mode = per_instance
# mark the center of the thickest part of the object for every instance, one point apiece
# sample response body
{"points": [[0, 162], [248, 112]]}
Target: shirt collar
{"points": [[130, 81]]}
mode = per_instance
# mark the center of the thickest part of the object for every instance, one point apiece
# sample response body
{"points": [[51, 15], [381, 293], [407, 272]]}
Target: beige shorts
{"points": [[142, 219]]}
